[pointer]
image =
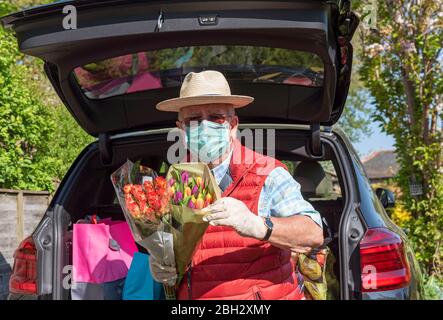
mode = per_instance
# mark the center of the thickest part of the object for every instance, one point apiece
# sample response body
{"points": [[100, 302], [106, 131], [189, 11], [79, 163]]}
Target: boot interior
{"points": [[90, 191]]}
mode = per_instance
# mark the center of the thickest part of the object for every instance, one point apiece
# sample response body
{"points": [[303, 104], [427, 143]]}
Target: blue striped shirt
{"points": [[280, 195]]}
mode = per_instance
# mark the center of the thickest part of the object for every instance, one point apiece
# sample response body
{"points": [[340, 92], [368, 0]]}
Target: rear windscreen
{"points": [[167, 68]]}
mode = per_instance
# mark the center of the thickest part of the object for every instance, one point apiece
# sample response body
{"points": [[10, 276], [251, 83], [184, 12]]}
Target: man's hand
{"points": [[234, 213], [297, 233], [163, 274]]}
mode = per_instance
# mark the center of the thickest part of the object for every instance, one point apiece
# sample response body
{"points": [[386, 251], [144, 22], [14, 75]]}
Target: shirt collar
{"points": [[220, 170]]}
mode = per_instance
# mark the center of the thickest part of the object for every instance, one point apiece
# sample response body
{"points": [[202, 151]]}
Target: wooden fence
{"points": [[20, 212]]}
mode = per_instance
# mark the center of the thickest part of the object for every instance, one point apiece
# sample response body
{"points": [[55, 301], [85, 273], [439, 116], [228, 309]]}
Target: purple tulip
{"points": [[185, 177], [178, 197], [195, 190], [171, 182], [191, 204]]}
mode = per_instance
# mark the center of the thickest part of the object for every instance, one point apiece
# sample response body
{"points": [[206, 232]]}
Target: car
{"points": [[293, 57]]}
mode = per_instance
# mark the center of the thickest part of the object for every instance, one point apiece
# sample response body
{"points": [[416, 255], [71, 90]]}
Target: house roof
{"points": [[381, 164]]}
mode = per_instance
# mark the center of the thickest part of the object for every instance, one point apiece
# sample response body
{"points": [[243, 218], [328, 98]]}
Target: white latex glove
{"points": [[234, 213], [161, 273]]}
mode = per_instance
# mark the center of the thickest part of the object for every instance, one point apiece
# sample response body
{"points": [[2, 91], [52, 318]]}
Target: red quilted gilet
{"points": [[228, 266]]}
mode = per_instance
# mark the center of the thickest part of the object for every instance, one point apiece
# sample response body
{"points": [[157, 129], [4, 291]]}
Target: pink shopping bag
{"points": [[102, 252]]}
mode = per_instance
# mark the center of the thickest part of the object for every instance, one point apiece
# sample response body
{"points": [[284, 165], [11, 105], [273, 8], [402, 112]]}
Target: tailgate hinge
{"points": [[105, 149], [160, 21], [314, 147], [348, 21]]}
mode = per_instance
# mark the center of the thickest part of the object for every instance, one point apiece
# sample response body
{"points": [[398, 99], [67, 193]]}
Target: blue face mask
{"points": [[208, 140]]}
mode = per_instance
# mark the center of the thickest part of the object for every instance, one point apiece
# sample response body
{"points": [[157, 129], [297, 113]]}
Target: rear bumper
{"points": [[16, 296], [398, 294]]}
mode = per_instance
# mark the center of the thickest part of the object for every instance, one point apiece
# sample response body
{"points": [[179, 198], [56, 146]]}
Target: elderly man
{"points": [[261, 218]]}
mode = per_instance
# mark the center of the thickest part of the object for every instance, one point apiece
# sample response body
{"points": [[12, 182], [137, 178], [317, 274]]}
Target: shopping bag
{"points": [[139, 284], [102, 255], [312, 267]]}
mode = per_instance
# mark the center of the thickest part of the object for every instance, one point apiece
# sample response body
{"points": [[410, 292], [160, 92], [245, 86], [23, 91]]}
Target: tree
{"points": [[67, 141], [356, 118], [38, 137], [25, 122], [401, 65]]}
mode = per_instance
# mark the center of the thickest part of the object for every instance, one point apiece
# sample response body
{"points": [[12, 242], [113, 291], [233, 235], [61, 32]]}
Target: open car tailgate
{"points": [[109, 29]]}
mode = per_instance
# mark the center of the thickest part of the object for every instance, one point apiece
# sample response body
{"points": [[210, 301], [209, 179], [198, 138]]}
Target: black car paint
{"points": [[351, 225], [374, 216]]}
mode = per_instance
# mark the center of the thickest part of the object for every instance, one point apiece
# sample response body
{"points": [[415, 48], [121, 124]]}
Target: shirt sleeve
{"points": [[281, 197]]}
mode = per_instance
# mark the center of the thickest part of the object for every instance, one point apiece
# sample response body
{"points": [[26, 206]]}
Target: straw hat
{"points": [[202, 88]]}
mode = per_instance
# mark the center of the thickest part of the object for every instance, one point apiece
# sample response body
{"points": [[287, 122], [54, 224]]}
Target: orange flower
{"points": [[209, 198], [148, 200], [200, 204], [148, 186], [199, 181], [127, 188], [149, 213], [132, 206], [160, 183]]}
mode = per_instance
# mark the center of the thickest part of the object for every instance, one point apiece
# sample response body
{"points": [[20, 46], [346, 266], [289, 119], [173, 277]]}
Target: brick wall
{"points": [[20, 212]]}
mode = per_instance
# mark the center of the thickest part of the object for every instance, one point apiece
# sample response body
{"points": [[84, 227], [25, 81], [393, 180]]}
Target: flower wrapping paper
{"points": [[169, 229]]}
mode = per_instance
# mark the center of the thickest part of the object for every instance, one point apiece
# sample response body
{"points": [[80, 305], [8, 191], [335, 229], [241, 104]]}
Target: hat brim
{"points": [[175, 104]]}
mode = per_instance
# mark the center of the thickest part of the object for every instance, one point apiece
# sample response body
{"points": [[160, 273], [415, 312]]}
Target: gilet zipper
{"points": [[257, 294]]}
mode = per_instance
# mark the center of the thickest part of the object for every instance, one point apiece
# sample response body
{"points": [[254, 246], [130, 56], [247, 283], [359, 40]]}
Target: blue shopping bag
{"points": [[139, 284]]}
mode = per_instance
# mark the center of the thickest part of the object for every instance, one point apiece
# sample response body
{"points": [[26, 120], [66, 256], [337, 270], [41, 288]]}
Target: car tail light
{"points": [[383, 261], [24, 273]]}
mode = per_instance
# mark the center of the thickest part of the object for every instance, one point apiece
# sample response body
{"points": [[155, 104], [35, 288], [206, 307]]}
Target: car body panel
{"points": [[373, 215]]}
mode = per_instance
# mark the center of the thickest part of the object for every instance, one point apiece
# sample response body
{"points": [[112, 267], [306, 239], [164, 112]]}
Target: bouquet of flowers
{"points": [[164, 214], [147, 202], [192, 187]]}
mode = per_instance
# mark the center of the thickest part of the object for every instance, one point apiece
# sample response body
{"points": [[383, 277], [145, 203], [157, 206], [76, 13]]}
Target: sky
{"points": [[374, 142]]}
